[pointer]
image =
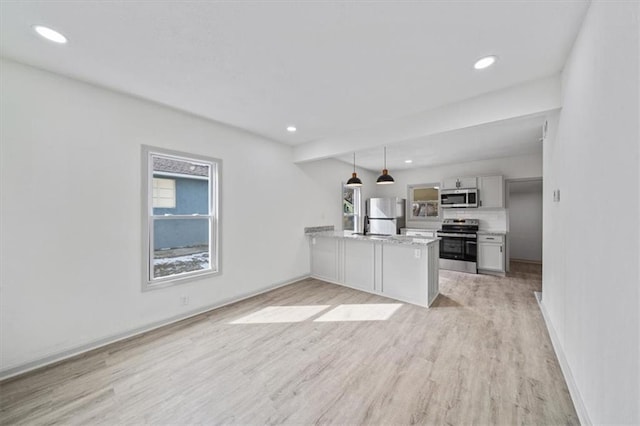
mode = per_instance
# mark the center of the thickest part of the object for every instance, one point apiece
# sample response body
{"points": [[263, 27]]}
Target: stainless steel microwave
{"points": [[459, 198]]}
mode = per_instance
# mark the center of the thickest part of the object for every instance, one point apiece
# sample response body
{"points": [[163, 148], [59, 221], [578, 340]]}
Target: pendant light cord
{"points": [[385, 157]]}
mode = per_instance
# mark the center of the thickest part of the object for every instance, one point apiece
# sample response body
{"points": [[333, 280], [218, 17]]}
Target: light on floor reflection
{"points": [[276, 314], [360, 312]]}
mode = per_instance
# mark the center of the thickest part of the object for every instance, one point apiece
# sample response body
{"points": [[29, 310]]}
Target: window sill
{"points": [[177, 280]]}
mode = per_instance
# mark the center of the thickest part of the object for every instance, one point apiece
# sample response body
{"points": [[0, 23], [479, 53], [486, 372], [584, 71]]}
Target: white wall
{"points": [[523, 166], [590, 272], [70, 224], [525, 225]]}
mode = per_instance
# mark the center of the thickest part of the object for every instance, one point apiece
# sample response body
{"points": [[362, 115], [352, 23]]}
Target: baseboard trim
{"points": [[494, 273], [81, 349], [330, 281], [581, 410], [534, 262]]}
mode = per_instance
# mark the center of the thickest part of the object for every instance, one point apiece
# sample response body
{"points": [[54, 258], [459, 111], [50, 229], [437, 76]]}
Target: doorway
{"points": [[524, 204]]}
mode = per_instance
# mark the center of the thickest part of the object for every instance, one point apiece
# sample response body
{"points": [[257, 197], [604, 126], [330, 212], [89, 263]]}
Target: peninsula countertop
{"points": [[386, 239]]}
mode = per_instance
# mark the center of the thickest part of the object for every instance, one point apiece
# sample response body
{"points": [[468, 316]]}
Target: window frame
{"points": [[410, 202], [148, 218], [357, 207]]}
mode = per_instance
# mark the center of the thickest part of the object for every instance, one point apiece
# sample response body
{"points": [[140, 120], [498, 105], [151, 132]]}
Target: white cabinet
{"points": [[358, 261], [460, 182], [324, 258], [404, 271], [491, 253], [491, 190]]}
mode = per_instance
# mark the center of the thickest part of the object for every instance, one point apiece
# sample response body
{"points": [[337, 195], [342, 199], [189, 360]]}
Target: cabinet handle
{"points": [[500, 249], [489, 238]]}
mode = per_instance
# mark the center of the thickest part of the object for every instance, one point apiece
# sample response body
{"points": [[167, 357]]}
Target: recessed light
{"points": [[49, 34], [485, 62], [291, 129], [408, 161]]}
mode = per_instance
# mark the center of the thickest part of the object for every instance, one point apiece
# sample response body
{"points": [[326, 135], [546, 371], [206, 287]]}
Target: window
{"points": [[180, 216], [424, 201], [164, 192], [350, 208]]}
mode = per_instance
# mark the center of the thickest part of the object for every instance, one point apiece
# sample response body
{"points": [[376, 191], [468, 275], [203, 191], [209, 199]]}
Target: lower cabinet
{"points": [[324, 258], [401, 269], [405, 272], [491, 253], [358, 261]]}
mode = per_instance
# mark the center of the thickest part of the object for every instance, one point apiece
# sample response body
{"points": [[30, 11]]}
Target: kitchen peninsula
{"points": [[399, 267]]}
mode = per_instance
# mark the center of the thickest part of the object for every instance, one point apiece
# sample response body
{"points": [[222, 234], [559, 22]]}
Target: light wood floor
{"points": [[480, 355]]}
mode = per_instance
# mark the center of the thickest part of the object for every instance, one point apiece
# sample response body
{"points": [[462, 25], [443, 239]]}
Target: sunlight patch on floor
{"points": [[360, 312], [352, 312], [275, 314]]}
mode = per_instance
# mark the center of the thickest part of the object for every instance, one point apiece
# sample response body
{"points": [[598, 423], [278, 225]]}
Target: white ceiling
{"points": [[506, 138], [328, 67]]}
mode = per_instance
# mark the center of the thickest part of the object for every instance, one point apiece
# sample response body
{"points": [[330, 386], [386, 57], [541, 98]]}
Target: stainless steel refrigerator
{"points": [[386, 215]]}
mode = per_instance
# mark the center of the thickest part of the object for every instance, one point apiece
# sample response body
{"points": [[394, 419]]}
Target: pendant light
{"points": [[355, 180], [385, 178]]}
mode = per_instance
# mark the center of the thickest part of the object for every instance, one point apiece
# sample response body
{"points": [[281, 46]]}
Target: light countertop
{"points": [[386, 239]]}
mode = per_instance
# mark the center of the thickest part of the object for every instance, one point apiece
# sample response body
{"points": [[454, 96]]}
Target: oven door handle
{"points": [[442, 234]]}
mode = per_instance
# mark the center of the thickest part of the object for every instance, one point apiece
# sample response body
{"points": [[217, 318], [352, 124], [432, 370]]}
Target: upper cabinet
{"points": [[423, 201], [491, 191], [459, 183]]}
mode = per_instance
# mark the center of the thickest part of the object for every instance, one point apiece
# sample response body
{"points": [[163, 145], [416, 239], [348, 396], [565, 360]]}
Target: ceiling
{"points": [[505, 138], [327, 67]]}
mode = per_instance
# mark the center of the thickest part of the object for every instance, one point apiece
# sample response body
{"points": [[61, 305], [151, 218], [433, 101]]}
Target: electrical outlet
{"points": [[184, 300], [416, 253], [556, 195]]}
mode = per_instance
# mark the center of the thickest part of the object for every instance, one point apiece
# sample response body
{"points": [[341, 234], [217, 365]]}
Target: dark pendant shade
{"points": [[355, 180], [385, 178]]}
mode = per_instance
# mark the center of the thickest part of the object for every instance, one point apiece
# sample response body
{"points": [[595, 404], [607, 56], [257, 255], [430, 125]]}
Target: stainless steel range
{"points": [[459, 245]]}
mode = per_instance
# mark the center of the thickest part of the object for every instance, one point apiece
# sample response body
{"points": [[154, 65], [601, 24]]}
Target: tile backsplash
{"points": [[490, 220]]}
